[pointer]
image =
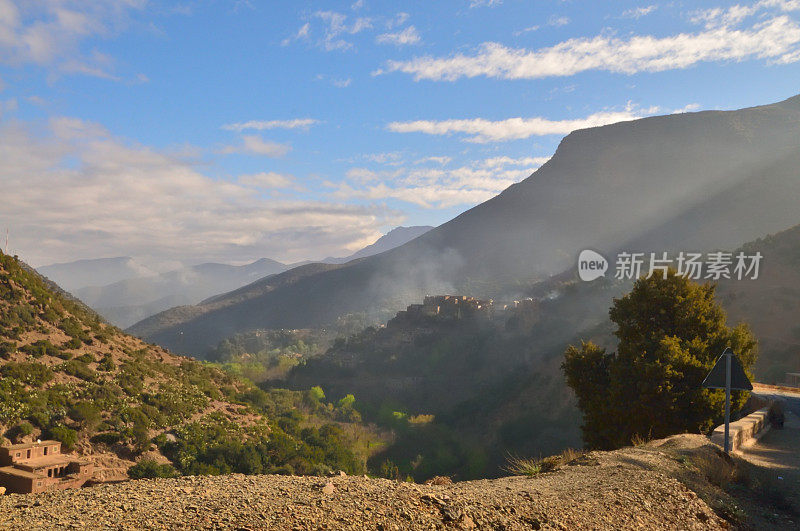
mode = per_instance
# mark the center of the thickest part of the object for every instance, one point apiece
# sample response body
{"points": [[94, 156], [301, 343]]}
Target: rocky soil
{"points": [[629, 488]]}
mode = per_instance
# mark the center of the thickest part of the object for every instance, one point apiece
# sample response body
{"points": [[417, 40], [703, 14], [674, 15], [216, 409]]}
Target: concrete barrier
{"points": [[744, 431]]}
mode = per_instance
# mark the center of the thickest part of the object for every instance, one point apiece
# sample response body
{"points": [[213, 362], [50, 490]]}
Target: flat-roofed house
{"points": [[40, 466]]}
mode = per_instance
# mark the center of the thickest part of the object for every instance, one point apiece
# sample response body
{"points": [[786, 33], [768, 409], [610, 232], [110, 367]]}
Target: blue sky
{"points": [[228, 130]]}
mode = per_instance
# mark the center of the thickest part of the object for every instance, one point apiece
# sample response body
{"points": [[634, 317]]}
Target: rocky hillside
{"points": [[669, 484], [69, 376], [694, 181]]}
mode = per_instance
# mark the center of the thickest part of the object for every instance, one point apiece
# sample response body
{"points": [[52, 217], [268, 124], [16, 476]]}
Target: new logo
{"points": [[591, 265]]}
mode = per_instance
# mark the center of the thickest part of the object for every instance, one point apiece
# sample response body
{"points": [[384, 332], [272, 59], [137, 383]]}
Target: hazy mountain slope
{"points": [[73, 276], [394, 238], [706, 180], [770, 304], [129, 301], [137, 297]]}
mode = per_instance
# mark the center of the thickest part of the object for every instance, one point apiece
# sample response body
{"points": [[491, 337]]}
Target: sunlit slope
{"points": [[697, 181]]}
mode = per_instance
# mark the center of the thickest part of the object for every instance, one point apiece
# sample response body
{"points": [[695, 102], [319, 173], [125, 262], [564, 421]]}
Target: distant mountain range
{"points": [[125, 291], [394, 238], [695, 181], [72, 276]]}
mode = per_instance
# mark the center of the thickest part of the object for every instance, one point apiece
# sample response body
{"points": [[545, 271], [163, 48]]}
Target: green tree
{"points": [[671, 331]]}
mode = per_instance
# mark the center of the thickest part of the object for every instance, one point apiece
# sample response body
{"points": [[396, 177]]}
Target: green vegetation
{"points": [[97, 388], [215, 445], [671, 331], [264, 355], [149, 468]]}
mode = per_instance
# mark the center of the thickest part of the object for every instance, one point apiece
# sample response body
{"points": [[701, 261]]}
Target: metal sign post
{"points": [[727, 374]]}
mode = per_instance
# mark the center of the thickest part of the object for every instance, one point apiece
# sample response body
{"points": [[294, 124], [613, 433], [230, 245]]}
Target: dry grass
{"points": [[718, 470], [640, 440], [522, 466], [526, 466]]}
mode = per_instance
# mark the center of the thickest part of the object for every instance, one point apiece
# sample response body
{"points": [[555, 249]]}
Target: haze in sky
{"points": [[182, 132]]}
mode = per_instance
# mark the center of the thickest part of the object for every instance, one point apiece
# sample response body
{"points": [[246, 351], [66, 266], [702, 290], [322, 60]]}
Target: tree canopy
{"points": [[671, 332]]}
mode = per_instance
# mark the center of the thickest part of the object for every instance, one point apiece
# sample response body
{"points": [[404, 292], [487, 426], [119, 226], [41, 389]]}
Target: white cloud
{"points": [[526, 30], [302, 33], [261, 125], [691, 107], [442, 161], [388, 157], [337, 26], [255, 145], [81, 193], [268, 180], [480, 130], [736, 14], [557, 21], [484, 3], [341, 83], [401, 38], [438, 187], [50, 32], [639, 12], [501, 162], [398, 20], [775, 39]]}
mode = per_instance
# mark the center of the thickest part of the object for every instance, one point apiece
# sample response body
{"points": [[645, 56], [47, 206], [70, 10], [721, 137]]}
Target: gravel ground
{"points": [[602, 490]]}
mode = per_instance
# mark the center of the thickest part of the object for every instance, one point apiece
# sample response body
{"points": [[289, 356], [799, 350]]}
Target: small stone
{"points": [[328, 488]]}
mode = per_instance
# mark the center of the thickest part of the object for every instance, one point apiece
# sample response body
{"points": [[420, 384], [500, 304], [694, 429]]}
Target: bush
{"points": [[149, 468], [7, 348], [86, 358], [24, 428], [107, 438], [29, 373], [41, 348], [73, 344], [78, 369], [66, 436], [87, 414], [107, 364]]}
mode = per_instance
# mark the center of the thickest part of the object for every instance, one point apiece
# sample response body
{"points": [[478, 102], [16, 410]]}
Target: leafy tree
{"points": [[316, 393], [671, 332]]}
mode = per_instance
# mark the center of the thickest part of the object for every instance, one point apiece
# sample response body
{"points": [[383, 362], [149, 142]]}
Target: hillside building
{"points": [[40, 466]]}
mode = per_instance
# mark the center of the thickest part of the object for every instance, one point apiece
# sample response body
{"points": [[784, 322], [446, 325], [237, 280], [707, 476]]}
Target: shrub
{"points": [[7, 348], [86, 413], [30, 373], [68, 437], [41, 348], [86, 358], [78, 369], [73, 344], [149, 468], [24, 428], [316, 393], [107, 364], [107, 438]]}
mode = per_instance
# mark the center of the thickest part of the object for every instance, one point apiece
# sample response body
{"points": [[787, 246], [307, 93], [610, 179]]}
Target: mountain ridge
{"points": [[604, 188]]}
